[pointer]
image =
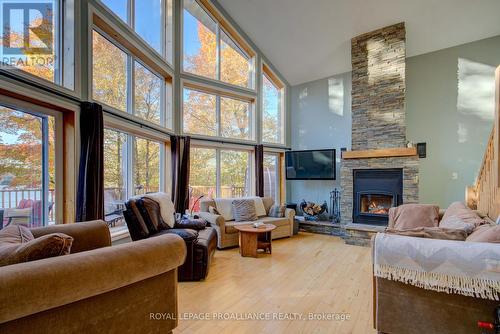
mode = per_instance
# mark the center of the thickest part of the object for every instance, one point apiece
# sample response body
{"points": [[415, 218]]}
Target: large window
{"points": [[132, 166], [116, 73], [217, 116], [109, 69], [38, 38], [273, 120], [217, 172], [272, 176], [209, 51], [151, 19], [27, 168]]}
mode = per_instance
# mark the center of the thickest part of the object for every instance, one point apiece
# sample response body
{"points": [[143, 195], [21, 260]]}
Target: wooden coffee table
{"points": [[255, 238]]}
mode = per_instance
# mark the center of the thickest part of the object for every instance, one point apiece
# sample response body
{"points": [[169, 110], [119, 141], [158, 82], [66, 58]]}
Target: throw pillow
{"points": [[277, 211], [260, 208], [192, 223], [408, 216], [18, 245], [431, 233], [457, 223], [167, 209], [213, 210], [461, 211], [244, 210], [486, 233]]}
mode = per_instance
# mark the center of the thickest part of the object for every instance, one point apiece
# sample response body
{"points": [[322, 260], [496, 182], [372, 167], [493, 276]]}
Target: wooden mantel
{"points": [[382, 153]]}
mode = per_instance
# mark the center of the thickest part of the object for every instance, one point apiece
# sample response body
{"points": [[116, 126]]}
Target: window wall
{"points": [[213, 115], [151, 20], [210, 51], [38, 41], [132, 166], [120, 54], [273, 115], [220, 172], [124, 83], [272, 176]]}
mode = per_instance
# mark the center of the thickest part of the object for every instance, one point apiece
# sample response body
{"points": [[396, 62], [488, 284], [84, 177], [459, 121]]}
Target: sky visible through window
{"points": [[147, 18], [191, 42]]}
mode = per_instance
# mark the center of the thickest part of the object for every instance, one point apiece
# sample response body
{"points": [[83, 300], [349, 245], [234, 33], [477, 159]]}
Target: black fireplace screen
{"points": [[375, 192]]}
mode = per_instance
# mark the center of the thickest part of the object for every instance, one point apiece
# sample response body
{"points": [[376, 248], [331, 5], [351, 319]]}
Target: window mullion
{"points": [[218, 116], [218, 189], [131, 13], [163, 31], [130, 85], [217, 51], [130, 166], [45, 171]]}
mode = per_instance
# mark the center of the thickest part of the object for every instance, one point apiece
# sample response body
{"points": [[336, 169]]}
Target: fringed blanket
{"points": [[466, 268]]}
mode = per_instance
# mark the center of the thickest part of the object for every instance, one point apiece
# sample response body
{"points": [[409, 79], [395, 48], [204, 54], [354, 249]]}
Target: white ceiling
{"points": [[310, 39]]}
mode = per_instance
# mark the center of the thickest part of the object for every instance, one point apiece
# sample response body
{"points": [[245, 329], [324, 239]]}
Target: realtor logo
{"points": [[28, 28]]}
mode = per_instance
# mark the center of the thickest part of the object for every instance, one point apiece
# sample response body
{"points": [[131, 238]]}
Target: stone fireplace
{"points": [[380, 171]]}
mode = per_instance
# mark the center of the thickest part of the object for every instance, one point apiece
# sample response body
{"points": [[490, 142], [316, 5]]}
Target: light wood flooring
{"points": [[307, 273]]}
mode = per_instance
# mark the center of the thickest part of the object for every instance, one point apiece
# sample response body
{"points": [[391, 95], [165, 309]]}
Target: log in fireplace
{"points": [[375, 191]]}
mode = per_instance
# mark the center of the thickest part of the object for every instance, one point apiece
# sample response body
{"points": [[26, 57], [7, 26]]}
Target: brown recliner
{"points": [[144, 221]]}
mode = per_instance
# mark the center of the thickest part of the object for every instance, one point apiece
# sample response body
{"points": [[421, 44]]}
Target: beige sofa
{"points": [[97, 288], [227, 235]]}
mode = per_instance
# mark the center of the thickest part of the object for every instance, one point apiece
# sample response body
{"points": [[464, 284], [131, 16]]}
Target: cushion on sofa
{"points": [[485, 233], [18, 245], [150, 210], [277, 211], [459, 213], [135, 223], [244, 210], [268, 203], [454, 222], [408, 216], [192, 223], [230, 226], [431, 233]]}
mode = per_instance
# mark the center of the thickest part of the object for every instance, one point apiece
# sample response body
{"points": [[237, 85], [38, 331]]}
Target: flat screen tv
{"points": [[310, 165]]}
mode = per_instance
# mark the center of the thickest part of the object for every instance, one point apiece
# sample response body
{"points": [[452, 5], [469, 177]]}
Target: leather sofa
{"points": [[95, 289], [200, 243], [228, 236]]}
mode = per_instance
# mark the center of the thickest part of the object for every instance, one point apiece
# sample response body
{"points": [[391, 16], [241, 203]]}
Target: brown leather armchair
{"points": [[200, 242]]}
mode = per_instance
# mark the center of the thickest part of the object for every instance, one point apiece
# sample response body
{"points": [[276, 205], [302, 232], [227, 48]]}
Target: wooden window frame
{"points": [[218, 147], [134, 55], [219, 93], [224, 25]]}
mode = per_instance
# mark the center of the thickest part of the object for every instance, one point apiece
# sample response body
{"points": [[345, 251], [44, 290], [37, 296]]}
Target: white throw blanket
{"points": [[225, 207], [167, 210], [466, 268]]}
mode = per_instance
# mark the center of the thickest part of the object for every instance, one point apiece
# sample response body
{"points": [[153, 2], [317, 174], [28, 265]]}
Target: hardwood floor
{"points": [[307, 273]]}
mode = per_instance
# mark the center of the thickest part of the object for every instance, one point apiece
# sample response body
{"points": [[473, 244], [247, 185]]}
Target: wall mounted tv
{"points": [[310, 165]]}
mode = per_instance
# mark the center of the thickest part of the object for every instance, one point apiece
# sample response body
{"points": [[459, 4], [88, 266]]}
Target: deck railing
{"points": [[10, 198]]}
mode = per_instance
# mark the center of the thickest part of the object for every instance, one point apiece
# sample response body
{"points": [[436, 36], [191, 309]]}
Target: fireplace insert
{"points": [[375, 192]]}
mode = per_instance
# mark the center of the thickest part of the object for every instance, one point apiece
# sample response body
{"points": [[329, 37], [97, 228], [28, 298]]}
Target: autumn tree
{"points": [[21, 143], [200, 114]]}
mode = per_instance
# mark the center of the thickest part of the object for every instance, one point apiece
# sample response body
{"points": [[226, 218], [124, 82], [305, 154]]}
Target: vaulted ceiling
{"points": [[308, 40]]}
